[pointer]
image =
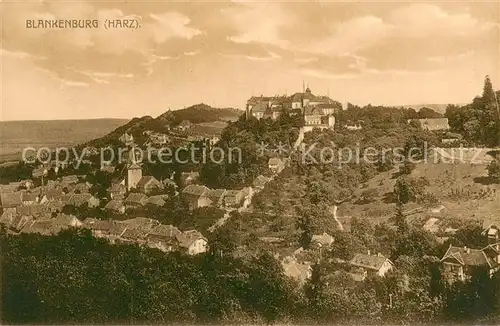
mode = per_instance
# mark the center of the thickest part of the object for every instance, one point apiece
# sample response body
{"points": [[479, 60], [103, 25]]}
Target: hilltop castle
{"points": [[317, 111]]}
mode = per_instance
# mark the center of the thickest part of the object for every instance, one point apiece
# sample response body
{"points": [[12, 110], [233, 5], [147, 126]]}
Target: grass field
{"points": [[463, 191]]}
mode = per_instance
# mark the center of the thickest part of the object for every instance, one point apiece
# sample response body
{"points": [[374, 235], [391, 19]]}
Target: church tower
{"points": [[134, 171]]}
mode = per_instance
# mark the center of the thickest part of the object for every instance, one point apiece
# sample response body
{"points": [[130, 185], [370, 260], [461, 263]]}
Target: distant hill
{"points": [[200, 113], [17, 135], [206, 119]]}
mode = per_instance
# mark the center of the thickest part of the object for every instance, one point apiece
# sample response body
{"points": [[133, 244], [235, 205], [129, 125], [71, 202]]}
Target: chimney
{"points": [[369, 253]]}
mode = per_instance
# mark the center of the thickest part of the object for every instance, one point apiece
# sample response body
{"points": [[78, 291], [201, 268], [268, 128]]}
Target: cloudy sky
{"points": [[222, 52]]}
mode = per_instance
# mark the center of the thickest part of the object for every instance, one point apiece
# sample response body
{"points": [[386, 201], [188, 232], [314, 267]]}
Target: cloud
{"points": [[425, 19], [270, 57], [258, 22], [352, 35], [172, 25]]}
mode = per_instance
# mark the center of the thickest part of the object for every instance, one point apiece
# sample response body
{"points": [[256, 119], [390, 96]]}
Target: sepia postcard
{"points": [[246, 162]]}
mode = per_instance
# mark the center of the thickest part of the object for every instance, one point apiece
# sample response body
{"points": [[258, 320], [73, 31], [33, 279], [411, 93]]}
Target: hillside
{"points": [[206, 119]]}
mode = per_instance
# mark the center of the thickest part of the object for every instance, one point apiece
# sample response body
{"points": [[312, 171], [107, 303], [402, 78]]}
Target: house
{"points": [[276, 165], [433, 124], [99, 228], [11, 200], [67, 220], [191, 242], [260, 182], [217, 196], [156, 200], [51, 226], [196, 196], [34, 210], [431, 225], [148, 184], [188, 178], [185, 125], [451, 138], [115, 206], [322, 240], [135, 200], [353, 126], [51, 194], [10, 188], [30, 198], [14, 222], [298, 271], [44, 227], [369, 265], [69, 179], [117, 191], [78, 200], [458, 263], [234, 198], [162, 237]]}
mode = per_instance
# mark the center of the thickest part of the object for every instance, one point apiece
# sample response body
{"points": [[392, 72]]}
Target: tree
{"points": [[494, 170], [409, 189]]}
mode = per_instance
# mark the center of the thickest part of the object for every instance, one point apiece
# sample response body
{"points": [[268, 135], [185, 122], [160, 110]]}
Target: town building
{"points": [[148, 184], [365, 265], [459, 263], [191, 242], [317, 111], [196, 196]]}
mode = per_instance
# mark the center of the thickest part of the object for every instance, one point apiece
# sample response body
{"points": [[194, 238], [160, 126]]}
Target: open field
{"points": [[463, 191]]}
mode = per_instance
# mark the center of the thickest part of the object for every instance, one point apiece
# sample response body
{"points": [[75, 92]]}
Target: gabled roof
{"points": [[217, 193], [275, 161], [196, 190], [69, 179], [188, 237], [136, 198], [33, 210], [66, 220], [147, 180], [114, 205], [156, 200], [374, 262], [468, 257], [117, 187], [166, 230], [79, 199], [8, 188], [143, 222], [9, 200], [30, 196]]}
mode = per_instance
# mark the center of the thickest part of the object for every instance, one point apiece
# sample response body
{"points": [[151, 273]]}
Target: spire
{"points": [[303, 86]]}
